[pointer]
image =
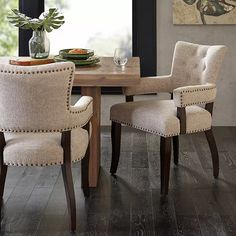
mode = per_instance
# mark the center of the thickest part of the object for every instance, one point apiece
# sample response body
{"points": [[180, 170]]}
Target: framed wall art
{"points": [[204, 12]]}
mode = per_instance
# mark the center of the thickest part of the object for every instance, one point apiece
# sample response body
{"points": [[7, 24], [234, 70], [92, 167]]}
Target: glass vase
{"points": [[39, 45]]}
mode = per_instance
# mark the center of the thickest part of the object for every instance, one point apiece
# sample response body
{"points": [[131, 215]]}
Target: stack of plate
{"points": [[86, 58]]}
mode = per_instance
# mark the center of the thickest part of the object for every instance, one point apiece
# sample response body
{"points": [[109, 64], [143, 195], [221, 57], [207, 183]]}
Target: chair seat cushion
{"points": [[42, 149], [160, 117]]}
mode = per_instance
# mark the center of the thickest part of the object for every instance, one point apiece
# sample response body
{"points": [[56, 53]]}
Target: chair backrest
{"points": [[195, 64], [35, 98]]}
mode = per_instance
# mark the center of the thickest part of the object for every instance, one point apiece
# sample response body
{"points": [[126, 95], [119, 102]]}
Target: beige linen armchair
{"points": [[192, 82], [39, 127]]}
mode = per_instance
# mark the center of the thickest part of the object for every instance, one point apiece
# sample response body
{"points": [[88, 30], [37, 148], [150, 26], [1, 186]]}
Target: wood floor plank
{"points": [[18, 199], [154, 170], [142, 222], [201, 147], [228, 170], [188, 225], [57, 202], [48, 177], [139, 141], [14, 175], [119, 215], [185, 143], [130, 204], [186, 216], [30, 218], [204, 156], [208, 215], [140, 159], [164, 215], [153, 142], [195, 174]]}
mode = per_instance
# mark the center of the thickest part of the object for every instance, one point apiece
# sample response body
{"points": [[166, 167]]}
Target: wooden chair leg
{"points": [[129, 98], [85, 173], [115, 139], [70, 194], [3, 173], [68, 179], [3, 170], [176, 149], [165, 153], [214, 152]]}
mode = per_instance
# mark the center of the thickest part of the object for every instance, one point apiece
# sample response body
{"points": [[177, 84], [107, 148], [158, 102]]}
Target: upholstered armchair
{"points": [[38, 125], [192, 84]]}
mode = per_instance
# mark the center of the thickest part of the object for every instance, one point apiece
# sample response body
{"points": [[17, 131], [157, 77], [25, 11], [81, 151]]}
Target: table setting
{"points": [[79, 56]]}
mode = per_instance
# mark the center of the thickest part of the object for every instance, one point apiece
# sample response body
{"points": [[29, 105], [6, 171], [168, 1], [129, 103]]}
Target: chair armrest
{"points": [[150, 85], [196, 94], [81, 112]]}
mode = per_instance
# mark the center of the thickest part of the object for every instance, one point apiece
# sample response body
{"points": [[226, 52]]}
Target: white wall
{"points": [[167, 35]]}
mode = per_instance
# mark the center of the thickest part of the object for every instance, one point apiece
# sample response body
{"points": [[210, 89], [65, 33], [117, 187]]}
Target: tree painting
{"points": [[214, 8]]}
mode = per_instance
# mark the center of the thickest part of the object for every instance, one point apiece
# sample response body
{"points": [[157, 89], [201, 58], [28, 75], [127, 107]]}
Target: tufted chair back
{"points": [[35, 98], [195, 64]]}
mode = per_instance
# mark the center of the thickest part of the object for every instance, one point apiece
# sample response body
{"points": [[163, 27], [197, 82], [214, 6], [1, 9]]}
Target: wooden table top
{"points": [[106, 73]]}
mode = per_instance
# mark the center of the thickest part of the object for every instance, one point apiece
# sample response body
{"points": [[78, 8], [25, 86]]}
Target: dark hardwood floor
{"points": [[35, 202]]}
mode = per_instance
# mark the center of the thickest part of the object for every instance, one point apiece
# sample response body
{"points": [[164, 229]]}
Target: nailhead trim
{"points": [[196, 131], [40, 165], [182, 104], [196, 103], [146, 130], [155, 132], [46, 131], [33, 72]]}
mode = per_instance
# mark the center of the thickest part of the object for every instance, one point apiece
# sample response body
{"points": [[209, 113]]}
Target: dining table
{"points": [[91, 80]]}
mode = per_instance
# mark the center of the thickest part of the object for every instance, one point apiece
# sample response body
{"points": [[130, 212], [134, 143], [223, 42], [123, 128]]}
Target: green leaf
{"points": [[52, 19]]}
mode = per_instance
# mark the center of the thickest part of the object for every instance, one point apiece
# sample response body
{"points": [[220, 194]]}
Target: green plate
{"points": [[65, 54], [90, 61]]}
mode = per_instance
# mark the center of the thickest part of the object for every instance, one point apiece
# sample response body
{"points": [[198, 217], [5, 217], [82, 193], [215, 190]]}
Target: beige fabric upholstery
{"points": [[197, 94], [159, 117], [38, 98], [192, 64], [35, 107], [42, 149], [150, 85], [192, 81], [196, 64]]}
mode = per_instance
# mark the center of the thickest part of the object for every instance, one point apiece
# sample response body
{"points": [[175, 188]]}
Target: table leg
{"points": [[95, 140]]}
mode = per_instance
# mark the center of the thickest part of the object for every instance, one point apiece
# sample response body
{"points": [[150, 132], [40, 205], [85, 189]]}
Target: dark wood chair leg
{"points": [[3, 168], [129, 98], [70, 194], [68, 179], [3, 173], [165, 153], [115, 139], [214, 152], [85, 173], [176, 149]]}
